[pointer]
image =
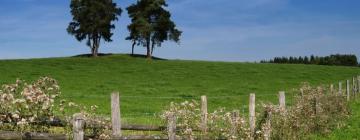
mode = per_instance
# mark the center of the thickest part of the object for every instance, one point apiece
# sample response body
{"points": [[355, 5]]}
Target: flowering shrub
{"points": [[227, 125], [30, 107], [316, 110], [221, 124], [188, 117], [22, 104], [97, 127]]}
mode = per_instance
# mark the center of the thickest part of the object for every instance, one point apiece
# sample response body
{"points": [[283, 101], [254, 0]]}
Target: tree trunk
{"points": [[132, 49], [148, 54], [92, 50], [152, 47], [95, 54], [95, 48]]}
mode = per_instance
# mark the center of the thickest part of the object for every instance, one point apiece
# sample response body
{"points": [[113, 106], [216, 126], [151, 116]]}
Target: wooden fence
{"points": [[79, 121]]}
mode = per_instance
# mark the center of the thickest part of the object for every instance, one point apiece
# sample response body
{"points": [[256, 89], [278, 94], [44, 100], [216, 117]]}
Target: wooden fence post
{"points": [[332, 89], [252, 117], [78, 126], [172, 126], [282, 100], [267, 131], [348, 90], [204, 114], [235, 118], [358, 82], [354, 86], [317, 109], [340, 88], [115, 115]]}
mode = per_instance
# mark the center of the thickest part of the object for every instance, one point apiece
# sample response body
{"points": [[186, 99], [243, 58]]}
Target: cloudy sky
{"points": [[220, 30]]}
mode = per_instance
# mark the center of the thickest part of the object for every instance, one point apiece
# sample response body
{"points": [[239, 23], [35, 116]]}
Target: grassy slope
{"points": [[91, 80]]}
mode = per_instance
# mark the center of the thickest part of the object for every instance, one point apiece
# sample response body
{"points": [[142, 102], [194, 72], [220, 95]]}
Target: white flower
{"points": [[71, 104], [16, 116], [18, 101], [32, 119], [22, 122]]}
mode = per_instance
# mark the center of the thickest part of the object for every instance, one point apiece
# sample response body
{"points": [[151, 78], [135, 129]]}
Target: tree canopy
{"points": [[151, 25], [92, 20]]}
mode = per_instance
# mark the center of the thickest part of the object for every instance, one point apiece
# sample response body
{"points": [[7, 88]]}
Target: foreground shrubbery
{"points": [[315, 111], [33, 107], [23, 105], [220, 125]]}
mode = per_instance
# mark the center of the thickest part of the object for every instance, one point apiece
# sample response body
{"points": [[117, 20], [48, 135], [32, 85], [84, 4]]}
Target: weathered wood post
{"points": [[235, 118], [348, 90], [78, 126], [317, 102], [115, 115], [252, 116], [171, 126], [358, 83], [331, 89], [340, 88], [204, 114], [282, 104], [267, 131], [354, 86]]}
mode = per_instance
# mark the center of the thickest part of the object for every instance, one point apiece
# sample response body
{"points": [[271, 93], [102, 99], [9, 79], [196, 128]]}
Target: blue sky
{"points": [[222, 30]]}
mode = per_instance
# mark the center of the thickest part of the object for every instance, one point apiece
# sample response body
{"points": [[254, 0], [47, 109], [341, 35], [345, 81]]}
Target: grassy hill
{"points": [[146, 87]]}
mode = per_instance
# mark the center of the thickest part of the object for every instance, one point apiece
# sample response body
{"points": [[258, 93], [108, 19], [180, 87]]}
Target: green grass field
{"points": [[147, 87]]}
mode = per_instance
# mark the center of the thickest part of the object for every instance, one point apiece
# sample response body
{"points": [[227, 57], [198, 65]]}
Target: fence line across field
{"points": [[172, 97], [171, 127], [79, 123]]}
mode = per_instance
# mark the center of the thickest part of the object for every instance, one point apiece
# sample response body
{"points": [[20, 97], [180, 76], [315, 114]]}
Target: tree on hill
{"points": [[92, 20], [151, 25]]}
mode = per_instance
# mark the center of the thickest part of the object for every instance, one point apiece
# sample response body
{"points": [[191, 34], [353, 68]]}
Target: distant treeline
{"points": [[338, 60]]}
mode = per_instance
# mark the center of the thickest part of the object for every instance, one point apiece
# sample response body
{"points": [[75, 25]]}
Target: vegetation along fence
{"points": [[79, 124]]}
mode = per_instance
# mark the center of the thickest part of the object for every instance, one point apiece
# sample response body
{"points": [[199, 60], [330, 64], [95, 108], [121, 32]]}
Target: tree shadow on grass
{"points": [[144, 56], [109, 54], [90, 55]]}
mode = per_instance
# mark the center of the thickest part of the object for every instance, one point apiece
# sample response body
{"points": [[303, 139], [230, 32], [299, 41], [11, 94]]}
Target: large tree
{"points": [[151, 25], [92, 20]]}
